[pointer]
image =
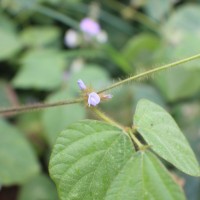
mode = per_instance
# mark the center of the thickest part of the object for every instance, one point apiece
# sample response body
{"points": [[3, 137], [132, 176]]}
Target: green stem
{"points": [[101, 115], [37, 106], [135, 15], [56, 15], [134, 138], [174, 64]]}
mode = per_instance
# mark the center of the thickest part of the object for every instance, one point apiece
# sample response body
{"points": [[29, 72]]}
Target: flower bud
{"points": [[81, 84]]}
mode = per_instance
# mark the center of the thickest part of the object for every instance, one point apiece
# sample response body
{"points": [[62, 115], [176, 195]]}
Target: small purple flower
{"points": [[93, 99], [89, 26], [81, 84]]}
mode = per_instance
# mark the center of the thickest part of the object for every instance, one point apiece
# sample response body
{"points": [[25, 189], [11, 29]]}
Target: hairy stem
{"points": [[37, 106], [103, 116], [174, 64], [26, 108]]}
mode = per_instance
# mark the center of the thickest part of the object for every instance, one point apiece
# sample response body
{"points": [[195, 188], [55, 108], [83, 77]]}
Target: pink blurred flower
{"points": [[90, 27]]}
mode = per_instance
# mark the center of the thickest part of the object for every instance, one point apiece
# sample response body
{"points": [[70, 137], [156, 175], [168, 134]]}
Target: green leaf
{"points": [[40, 36], [86, 159], [161, 132], [157, 9], [122, 99], [118, 59], [144, 177], [41, 69], [38, 188], [94, 160], [56, 119], [92, 75], [4, 97], [186, 20], [18, 161], [179, 84], [10, 43], [141, 91], [185, 49], [139, 47]]}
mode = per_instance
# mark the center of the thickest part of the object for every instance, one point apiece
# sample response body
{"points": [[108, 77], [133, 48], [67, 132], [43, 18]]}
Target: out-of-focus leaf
{"points": [[122, 98], [183, 81], [178, 83], [192, 133], [161, 132], [40, 36], [118, 59], [18, 161], [38, 188], [144, 91], [30, 122], [187, 48], [56, 119], [158, 9], [41, 69], [139, 50], [9, 43], [31, 125], [15, 6], [85, 53], [186, 113], [185, 20], [4, 99], [92, 75], [192, 188], [6, 23]]}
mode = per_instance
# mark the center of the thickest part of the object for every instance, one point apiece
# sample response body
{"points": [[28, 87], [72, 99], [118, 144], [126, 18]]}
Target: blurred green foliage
{"points": [[36, 65]]}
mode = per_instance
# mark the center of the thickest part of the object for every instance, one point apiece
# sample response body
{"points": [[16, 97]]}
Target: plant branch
{"points": [[164, 67], [37, 106]]}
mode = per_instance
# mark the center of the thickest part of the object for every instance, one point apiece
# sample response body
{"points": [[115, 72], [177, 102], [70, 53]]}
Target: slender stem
{"points": [[174, 64], [37, 106], [134, 14], [56, 15], [134, 138], [101, 115]]}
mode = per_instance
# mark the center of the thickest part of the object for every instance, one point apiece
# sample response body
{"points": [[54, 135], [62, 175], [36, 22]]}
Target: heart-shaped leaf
{"points": [[161, 132], [87, 157], [94, 160]]}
